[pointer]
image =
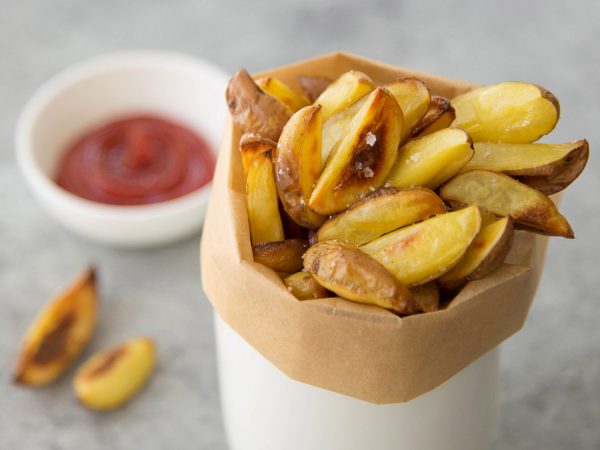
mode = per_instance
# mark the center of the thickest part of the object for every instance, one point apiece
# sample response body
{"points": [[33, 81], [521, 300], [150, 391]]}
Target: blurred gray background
{"points": [[550, 380]]}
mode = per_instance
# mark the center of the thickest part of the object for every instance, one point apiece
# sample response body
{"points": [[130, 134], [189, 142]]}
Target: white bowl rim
{"points": [[93, 66]]}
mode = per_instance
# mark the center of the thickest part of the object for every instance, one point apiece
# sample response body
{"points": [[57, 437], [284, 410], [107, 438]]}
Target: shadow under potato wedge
{"points": [[426, 296], [505, 196], [510, 112], [304, 286], [281, 256], [380, 212]]}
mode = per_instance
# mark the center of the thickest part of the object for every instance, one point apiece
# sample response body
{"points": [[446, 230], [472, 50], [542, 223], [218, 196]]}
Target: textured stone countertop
{"points": [[550, 378]]}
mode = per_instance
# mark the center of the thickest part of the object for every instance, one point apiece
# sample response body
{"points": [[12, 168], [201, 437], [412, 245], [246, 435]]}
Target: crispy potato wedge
{"points": [[251, 144], [355, 276], [298, 165], [282, 92], [414, 97], [549, 168], [343, 92], [432, 160], [59, 333], [360, 161], [504, 196], [281, 256], [424, 251], [427, 297], [438, 116], [487, 252], [252, 109], [336, 127], [262, 201], [304, 286], [385, 210], [511, 112], [313, 86]]}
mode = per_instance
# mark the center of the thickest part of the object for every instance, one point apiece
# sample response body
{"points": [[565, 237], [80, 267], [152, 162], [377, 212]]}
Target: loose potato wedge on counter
{"points": [[385, 210], [59, 333], [549, 168], [304, 286], [313, 86], [504, 196], [251, 144], [422, 252], [511, 112], [431, 160], [281, 256], [262, 201], [252, 109], [282, 92], [343, 92], [298, 165], [487, 252], [414, 97], [360, 161], [353, 275], [438, 116], [427, 297]]}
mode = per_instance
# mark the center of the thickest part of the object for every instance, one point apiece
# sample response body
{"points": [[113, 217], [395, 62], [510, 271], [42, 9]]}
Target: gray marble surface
{"points": [[550, 380]]}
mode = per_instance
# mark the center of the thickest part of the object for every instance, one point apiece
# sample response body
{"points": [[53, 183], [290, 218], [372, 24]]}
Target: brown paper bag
{"points": [[357, 350]]}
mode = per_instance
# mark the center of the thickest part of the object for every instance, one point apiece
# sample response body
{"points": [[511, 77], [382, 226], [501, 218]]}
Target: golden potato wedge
{"points": [[343, 92], [313, 86], [414, 97], [549, 168], [511, 112], [281, 256], [424, 251], [252, 109], [427, 297], [487, 252], [282, 92], [385, 210], [438, 116], [298, 165], [262, 201], [361, 161], [432, 160], [336, 127], [251, 144], [355, 276], [304, 286], [504, 196], [59, 333]]}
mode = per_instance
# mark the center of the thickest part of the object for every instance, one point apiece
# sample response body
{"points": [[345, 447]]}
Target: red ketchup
{"points": [[136, 161]]}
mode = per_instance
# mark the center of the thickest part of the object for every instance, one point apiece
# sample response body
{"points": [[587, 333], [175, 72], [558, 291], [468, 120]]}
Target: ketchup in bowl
{"points": [[135, 161]]}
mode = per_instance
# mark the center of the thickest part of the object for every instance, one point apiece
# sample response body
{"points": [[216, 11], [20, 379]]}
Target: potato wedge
{"points": [[251, 144], [424, 251], [262, 201], [511, 112], [336, 127], [432, 160], [313, 86], [252, 109], [414, 97], [281, 256], [361, 161], [355, 276], [59, 333], [298, 165], [282, 92], [385, 210], [438, 116], [304, 286], [487, 252], [427, 297], [343, 92], [549, 168], [504, 196]]}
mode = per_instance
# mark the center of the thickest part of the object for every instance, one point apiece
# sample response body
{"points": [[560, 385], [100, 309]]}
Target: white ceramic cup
{"points": [[263, 409], [183, 88]]}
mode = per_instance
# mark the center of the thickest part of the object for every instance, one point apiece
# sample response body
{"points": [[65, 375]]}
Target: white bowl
{"points": [[183, 88]]}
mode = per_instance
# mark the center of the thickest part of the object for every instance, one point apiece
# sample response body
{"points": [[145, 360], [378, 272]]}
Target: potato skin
{"points": [[251, 145], [440, 110], [253, 109], [305, 287], [313, 86], [281, 256]]}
